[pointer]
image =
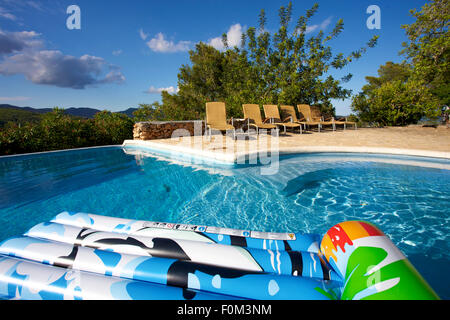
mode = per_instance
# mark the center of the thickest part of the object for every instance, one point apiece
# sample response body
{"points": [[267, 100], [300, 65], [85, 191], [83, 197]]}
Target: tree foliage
{"points": [[404, 93], [394, 97], [58, 130], [428, 47], [147, 112], [286, 67], [17, 116]]}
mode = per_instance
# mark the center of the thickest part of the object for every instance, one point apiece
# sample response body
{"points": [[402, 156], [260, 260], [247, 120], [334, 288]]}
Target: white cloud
{"points": [[310, 29], [35, 5], [17, 41], [234, 36], [114, 76], [19, 98], [7, 15], [216, 43], [142, 34], [159, 44], [153, 90], [117, 52], [24, 53], [52, 67], [321, 26]]}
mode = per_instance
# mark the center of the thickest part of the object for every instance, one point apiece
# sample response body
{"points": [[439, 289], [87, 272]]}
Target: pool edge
{"points": [[234, 157]]}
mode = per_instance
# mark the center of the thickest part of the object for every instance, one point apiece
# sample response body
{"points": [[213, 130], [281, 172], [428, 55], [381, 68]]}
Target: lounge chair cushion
{"points": [[291, 124], [220, 126], [271, 112], [264, 125], [252, 112]]}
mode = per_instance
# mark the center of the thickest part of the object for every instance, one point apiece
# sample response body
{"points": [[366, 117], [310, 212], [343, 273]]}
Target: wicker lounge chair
{"points": [[216, 118], [343, 121], [288, 114], [252, 114], [315, 111], [271, 112], [312, 116]]}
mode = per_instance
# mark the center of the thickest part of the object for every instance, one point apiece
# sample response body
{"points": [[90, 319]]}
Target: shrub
{"points": [[396, 103], [58, 131], [112, 128]]}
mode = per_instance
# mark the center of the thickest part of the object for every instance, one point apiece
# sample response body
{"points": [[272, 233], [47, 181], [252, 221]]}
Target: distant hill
{"points": [[27, 114], [79, 112], [17, 115], [129, 112]]}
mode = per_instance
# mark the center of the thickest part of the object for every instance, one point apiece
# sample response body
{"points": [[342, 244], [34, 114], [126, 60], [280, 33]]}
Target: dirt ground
{"points": [[411, 137]]}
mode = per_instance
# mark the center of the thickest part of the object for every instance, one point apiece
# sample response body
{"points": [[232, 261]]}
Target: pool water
{"points": [[407, 197]]}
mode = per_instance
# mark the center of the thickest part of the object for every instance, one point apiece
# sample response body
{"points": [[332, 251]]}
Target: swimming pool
{"points": [[407, 197]]}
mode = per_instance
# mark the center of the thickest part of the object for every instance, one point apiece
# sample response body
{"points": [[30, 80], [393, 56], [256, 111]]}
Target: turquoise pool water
{"points": [[407, 197]]}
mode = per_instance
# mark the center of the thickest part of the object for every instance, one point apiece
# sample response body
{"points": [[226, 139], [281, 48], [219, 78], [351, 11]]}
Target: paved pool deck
{"points": [[411, 140]]}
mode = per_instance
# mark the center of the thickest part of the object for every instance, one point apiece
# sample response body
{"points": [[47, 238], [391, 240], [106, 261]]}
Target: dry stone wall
{"points": [[151, 130]]}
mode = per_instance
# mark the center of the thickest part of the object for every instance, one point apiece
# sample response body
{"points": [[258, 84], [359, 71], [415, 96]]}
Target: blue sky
{"points": [[127, 51]]}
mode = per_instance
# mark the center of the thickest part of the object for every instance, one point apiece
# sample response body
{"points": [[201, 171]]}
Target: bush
{"points": [[396, 103], [112, 128], [60, 131]]}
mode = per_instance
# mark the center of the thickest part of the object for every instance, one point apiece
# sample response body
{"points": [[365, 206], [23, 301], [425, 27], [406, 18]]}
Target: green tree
{"points": [[147, 112], [428, 47], [398, 103], [388, 72], [11, 116], [58, 130], [404, 93], [290, 69], [112, 127], [394, 97], [283, 68]]}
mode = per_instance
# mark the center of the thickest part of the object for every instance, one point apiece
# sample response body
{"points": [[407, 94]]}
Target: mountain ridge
{"points": [[84, 112]]}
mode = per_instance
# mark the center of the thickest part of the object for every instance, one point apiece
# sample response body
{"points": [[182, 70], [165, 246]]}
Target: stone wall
{"points": [[151, 130]]}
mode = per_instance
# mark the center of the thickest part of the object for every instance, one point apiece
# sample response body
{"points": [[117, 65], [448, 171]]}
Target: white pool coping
{"points": [[234, 157]]}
